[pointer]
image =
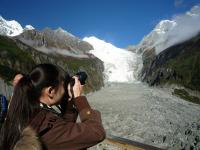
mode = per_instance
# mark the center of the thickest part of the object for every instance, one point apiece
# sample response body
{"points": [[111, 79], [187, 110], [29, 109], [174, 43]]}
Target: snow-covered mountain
{"points": [[157, 37], [170, 32], [29, 27], [12, 28], [119, 64], [48, 41]]}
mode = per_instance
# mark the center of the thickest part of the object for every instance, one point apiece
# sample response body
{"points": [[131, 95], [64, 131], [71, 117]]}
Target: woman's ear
{"points": [[48, 95], [50, 92]]}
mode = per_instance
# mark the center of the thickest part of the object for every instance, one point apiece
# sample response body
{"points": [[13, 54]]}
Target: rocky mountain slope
{"points": [[19, 57], [178, 64], [55, 41]]}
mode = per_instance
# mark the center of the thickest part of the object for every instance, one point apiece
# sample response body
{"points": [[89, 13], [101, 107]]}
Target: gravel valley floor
{"points": [[148, 115]]}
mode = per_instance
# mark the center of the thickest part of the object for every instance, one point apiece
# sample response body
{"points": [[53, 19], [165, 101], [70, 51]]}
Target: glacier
{"points": [[120, 64]]}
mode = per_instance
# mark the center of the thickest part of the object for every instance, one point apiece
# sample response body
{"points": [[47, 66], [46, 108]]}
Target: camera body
{"points": [[82, 76]]}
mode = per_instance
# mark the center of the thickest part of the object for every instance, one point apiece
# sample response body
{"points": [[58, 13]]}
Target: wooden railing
{"points": [[125, 144]]}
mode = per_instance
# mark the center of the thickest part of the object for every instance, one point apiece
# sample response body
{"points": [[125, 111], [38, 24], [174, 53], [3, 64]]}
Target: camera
{"points": [[82, 76]]}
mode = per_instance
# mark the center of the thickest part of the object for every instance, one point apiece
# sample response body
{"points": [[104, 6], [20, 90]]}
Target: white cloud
{"points": [[187, 26]]}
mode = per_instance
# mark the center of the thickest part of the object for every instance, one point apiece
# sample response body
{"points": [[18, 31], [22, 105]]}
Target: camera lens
{"points": [[82, 76]]}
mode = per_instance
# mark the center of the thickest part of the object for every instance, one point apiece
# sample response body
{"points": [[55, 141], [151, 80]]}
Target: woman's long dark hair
{"points": [[25, 101]]}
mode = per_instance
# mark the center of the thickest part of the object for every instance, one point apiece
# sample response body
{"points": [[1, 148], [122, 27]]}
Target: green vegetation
{"points": [[9, 50], [12, 58], [18, 57], [188, 66], [6, 73], [185, 95], [179, 64]]}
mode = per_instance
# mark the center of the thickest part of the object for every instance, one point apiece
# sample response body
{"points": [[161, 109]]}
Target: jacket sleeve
{"points": [[71, 113], [71, 135]]}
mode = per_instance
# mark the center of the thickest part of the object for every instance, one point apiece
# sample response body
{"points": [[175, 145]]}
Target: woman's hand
{"points": [[77, 88]]}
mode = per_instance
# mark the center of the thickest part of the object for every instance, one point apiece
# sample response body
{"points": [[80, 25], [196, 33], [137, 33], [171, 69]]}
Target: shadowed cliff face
{"points": [[19, 57], [179, 64]]}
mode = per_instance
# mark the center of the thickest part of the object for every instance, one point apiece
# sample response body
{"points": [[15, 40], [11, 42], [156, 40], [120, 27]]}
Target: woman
{"points": [[31, 105]]}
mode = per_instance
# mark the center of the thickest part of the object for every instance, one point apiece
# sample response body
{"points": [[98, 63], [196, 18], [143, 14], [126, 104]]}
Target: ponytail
{"points": [[22, 107]]}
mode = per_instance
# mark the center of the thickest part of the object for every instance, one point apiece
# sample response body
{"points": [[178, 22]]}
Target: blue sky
{"points": [[120, 22]]}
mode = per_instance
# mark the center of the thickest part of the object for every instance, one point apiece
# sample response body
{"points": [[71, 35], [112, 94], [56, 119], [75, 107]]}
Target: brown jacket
{"points": [[65, 133]]}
